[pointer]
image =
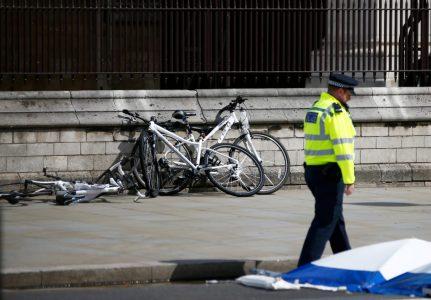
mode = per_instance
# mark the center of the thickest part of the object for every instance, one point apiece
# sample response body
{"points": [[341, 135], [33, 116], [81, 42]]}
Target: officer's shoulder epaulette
{"points": [[337, 108]]}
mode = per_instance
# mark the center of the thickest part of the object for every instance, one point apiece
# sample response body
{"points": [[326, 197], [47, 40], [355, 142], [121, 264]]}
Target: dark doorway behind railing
{"points": [[188, 44]]}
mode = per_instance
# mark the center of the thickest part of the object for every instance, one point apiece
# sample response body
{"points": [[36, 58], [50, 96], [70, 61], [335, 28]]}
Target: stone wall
{"points": [[77, 135]]}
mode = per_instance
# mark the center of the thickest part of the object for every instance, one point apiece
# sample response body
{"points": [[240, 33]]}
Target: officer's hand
{"points": [[349, 189]]}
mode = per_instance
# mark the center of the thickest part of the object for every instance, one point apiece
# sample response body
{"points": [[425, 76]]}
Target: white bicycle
{"points": [[268, 150], [66, 192], [231, 168]]}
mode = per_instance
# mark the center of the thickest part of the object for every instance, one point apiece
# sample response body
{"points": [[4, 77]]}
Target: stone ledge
{"points": [[100, 108], [379, 173]]}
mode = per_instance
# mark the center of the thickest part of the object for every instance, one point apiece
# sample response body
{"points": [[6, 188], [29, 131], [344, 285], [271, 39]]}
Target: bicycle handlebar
{"points": [[230, 107], [134, 115]]}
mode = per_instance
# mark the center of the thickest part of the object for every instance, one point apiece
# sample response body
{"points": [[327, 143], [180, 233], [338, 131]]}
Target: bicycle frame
{"points": [[245, 126], [158, 130], [227, 123]]}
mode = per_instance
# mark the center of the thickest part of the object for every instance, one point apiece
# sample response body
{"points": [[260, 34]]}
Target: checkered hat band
{"points": [[337, 84]]}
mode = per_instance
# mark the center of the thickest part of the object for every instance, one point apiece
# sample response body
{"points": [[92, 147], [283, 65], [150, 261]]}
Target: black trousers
{"points": [[327, 188]]}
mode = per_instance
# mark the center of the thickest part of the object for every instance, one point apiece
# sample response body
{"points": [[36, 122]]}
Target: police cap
{"points": [[343, 81]]}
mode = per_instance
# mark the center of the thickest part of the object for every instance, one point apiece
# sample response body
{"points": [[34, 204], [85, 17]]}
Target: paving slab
{"points": [[188, 236]]}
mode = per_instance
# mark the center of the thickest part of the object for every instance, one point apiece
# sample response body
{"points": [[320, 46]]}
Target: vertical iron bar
{"points": [[353, 34], [145, 45], [240, 38], [12, 38], [425, 43], [262, 38], [247, 66], [415, 29], [183, 41], [322, 30], [279, 38], [234, 38], [375, 39], [364, 33], [172, 33], [18, 34], [343, 25], [62, 41], [273, 37], [380, 35], [189, 18], [401, 43], [315, 29], [390, 35], [358, 43], [385, 38], [67, 37], [3, 31], [331, 35], [257, 40], [112, 41], [407, 50], [138, 25], [135, 46], [123, 37], [348, 34], [55, 38], [222, 22], [200, 39], [35, 40], [397, 11], [295, 38], [337, 36], [291, 28], [267, 38], [88, 33], [228, 44], [369, 37], [299, 63]]}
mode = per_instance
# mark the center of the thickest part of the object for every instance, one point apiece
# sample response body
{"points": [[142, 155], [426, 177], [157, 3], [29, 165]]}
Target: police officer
{"points": [[329, 166]]}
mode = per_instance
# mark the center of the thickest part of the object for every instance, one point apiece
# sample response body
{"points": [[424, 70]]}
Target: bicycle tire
{"points": [[277, 168], [173, 177], [148, 153], [136, 166], [243, 181]]}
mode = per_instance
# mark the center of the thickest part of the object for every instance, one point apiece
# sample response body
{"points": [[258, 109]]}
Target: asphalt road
{"points": [[222, 290]]}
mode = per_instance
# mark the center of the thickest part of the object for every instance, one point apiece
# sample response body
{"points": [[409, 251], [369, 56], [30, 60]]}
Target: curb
{"points": [[144, 272]]}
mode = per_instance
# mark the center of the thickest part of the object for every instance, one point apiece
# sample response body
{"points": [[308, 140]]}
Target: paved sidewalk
{"points": [[189, 236]]}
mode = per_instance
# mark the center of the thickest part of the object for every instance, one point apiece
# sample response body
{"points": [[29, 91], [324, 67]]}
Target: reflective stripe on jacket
{"points": [[329, 135]]}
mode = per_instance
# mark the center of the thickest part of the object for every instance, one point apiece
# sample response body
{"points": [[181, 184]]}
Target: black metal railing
{"points": [[128, 44]]}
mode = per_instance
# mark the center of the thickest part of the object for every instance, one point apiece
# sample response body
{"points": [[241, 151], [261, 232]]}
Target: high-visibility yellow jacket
{"points": [[329, 135]]}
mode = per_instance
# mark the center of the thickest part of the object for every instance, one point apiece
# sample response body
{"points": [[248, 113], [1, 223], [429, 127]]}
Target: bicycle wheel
{"points": [[175, 174], [147, 149], [234, 170], [273, 157]]}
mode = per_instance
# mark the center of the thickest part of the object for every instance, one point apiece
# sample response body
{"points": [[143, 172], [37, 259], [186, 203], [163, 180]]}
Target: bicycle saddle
{"points": [[182, 115]]}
